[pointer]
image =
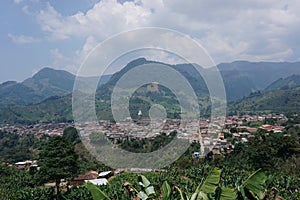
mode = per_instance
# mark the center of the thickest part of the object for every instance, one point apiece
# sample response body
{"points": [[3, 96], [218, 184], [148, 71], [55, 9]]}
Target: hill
{"points": [[240, 79], [280, 101], [52, 110], [44, 84], [58, 108], [285, 83]]}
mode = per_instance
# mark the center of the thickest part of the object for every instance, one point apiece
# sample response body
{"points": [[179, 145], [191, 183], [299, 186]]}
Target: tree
{"points": [[71, 135], [58, 160]]}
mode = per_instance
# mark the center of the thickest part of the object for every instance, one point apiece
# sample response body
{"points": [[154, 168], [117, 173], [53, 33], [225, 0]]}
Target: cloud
{"points": [[60, 61], [22, 38], [250, 29], [25, 9], [106, 18]]}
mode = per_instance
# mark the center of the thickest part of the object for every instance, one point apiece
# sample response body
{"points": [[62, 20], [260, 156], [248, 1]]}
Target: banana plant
{"points": [[209, 189], [148, 189], [97, 194], [166, 190], [253, 187]]}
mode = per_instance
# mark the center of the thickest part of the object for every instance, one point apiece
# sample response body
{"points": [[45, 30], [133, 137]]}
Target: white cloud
{"points": [[231, 30], [106, 18], [22, 38], [60, 61]]}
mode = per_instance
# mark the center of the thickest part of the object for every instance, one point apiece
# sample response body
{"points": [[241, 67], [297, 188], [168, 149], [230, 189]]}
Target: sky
{"points": [[61, 33]]}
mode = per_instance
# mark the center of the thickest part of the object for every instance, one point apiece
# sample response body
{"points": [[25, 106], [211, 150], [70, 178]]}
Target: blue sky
{"points": [[60, 34]]}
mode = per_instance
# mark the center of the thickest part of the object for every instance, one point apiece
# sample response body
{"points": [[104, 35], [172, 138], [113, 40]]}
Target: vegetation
{"points": [[266, 167], [44, 84], [15, 148], [145, 145], [58, 161], [201, 179], [276, 101], [285, 83], [210, 187], [264, 152]]}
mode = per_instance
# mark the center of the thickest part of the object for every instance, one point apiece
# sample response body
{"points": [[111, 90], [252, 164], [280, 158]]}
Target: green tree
{"points": [[71, 135], [58, 160]]}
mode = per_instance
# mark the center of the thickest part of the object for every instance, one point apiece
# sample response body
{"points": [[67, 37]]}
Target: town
{"points": [[217, 137]]}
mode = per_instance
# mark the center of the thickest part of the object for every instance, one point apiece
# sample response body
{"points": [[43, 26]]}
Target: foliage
{"points": [[96, 192], [254, 186], [58, 160], [210, 188], [273, 101], [15, 147], [145, 145], [71, 135], [147, 188], [267, 152], [276, 154]]}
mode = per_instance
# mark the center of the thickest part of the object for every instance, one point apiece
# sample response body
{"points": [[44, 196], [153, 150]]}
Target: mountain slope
{"points": [[59, 108], [50, 82], [262, 73], [52, 110], [285, 83], [286, 100], [44, 84], [240, 79]]}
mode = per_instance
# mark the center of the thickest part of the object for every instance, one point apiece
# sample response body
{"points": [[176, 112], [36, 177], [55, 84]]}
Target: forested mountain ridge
{"points": [[44, 92], [283, 100], [44, 84], [285, 83]]}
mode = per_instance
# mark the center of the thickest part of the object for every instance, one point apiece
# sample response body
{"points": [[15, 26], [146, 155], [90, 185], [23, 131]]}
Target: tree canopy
{"points": [[58, 160]]}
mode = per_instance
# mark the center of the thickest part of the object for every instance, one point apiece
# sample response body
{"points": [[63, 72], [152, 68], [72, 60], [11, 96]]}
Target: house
{"points": [[244, 140], [105, 174], [100, 181], [252, 129], [26, 164], [119, 171], [80, 179], [21, 165]]}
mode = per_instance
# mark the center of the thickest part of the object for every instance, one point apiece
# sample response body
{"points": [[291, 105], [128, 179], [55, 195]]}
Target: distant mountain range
{"points": [[242, 77], [44, 84], [46, 96]]}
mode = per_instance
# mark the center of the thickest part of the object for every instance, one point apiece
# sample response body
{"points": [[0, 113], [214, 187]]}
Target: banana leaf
{"points": [[97, 194], [211, 182]]}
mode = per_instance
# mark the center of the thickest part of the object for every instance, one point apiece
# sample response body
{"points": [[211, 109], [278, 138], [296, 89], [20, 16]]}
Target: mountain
{"points": [[52, 110], [187, 70], [237, 85], [56, 109], [262, 73], [44, 84], [51, 82], [142, 98], [242, 77], [285, 83], [276, 101]]}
